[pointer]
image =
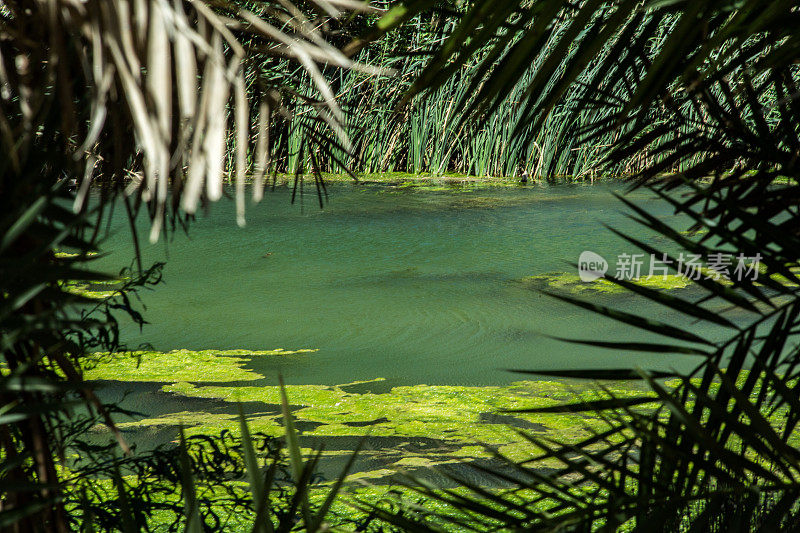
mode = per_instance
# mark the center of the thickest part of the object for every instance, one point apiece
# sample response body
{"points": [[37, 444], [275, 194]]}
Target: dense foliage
{"points": [[698, 100], [106, 97], [709, 87]]}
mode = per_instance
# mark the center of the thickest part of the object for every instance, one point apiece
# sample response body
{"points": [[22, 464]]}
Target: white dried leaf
{"points": [[159, 72], [185, 64], [126, 36], [241, 127], [214, 142], [262, 149]]}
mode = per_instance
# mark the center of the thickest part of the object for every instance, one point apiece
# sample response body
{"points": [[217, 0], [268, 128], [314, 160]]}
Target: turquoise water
{"points": [[409, 285]]}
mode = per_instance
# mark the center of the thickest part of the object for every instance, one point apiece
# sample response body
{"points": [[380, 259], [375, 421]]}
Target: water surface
{"points": [[409, 285]]}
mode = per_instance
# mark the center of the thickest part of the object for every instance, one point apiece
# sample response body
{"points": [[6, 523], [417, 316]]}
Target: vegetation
{"points": [[178, 365], [572, 284], [108, 95], [696, 101], [709, 85], [406, 426]]}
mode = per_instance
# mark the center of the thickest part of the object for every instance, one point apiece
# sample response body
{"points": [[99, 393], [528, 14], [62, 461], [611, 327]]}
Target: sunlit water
{"points": [[411, 286]]}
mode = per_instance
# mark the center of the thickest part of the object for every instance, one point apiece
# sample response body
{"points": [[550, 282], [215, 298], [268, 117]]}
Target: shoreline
{"points": [[427, 179]]}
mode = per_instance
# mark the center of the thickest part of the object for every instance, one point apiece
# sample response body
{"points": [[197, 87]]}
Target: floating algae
{"points": [[179, 365], [406, 427], [571, 283]]}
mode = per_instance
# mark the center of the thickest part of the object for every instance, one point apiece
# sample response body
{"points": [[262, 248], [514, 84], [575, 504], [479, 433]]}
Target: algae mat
{"points": [[408, 428]]}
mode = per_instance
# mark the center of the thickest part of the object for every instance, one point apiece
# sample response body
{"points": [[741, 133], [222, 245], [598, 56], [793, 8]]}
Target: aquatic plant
{"points": [[447, 420], [178, 365], [248, 481], [572, 284], [428, 135]]}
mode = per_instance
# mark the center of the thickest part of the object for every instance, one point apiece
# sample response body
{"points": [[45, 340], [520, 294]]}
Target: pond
{"points": [[411, 285]]}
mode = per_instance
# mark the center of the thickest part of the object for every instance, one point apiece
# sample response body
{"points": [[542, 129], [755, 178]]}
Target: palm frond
{"points": [[707, 92], [151, 94]]}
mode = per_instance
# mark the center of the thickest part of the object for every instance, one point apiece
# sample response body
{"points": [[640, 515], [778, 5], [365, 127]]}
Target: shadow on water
{"points": [[511, 421], [147, 398], [379, 455]]}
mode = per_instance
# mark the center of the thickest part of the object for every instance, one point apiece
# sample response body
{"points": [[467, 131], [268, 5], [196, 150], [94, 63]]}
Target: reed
{"points": [[428, 135]]}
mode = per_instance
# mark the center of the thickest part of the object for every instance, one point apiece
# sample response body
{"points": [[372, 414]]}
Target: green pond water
{"points": [[414, 286]]}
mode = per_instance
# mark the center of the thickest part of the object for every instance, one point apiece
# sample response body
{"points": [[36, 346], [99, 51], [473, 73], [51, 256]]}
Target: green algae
{"points": [[780, 278], [179, 365], [404, 180], [452, 415], [73, 255], [694, 232], [94, 290], [410, 427], [87, 291], [571, 283], [182, 418], [422, 179]]}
